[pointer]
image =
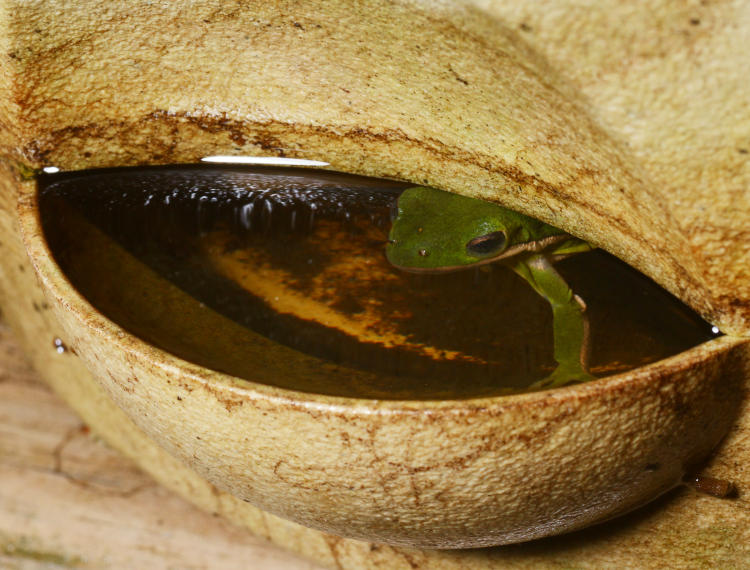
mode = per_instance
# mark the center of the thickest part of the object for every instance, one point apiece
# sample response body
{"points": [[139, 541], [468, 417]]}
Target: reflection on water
{"points": [[279, 276]]}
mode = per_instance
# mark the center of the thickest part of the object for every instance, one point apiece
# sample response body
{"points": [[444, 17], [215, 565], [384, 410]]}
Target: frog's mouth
{"points": [[518, 250]]}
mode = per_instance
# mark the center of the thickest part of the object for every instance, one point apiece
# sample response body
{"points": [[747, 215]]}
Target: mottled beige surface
{"points": [[670, 81], [453, 99]]}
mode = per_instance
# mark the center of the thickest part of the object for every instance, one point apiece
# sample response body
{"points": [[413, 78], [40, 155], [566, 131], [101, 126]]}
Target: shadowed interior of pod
{"points": [[279, 276]]}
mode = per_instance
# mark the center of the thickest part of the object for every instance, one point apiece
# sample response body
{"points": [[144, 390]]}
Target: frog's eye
{"points": [[487, 244]]}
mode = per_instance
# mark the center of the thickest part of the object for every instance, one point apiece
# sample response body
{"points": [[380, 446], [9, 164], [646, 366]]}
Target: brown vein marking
{"points": [[59, 469], [126, 386], [332, 542], [223, 396]]}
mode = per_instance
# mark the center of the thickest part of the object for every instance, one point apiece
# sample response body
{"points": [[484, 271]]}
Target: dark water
{"points": [[279, 276]]}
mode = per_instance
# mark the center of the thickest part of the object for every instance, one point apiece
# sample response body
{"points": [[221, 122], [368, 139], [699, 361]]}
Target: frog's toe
{"points": [[562, 377]]}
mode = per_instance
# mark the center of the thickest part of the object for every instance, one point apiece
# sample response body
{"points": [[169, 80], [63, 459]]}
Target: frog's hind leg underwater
{"points": [[569, 322]]}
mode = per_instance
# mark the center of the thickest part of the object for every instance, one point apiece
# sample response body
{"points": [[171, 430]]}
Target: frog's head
{"points": [[436, 231]]}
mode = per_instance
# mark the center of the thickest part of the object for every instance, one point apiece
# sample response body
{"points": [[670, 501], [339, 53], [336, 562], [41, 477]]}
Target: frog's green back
{"points": [[432, 228]]}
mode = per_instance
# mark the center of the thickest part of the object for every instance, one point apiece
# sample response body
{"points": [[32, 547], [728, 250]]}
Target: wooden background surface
{"points": [[68, 501]]}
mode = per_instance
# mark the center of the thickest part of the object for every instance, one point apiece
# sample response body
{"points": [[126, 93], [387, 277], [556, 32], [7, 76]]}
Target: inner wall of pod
{"points": [[279, 276]]}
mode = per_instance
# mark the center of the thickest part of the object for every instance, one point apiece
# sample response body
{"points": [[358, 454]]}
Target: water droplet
{"points": [[246, 215]]}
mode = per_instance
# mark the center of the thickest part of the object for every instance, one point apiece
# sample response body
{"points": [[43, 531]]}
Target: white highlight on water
{"points": [[269, 160], [50, 169]]}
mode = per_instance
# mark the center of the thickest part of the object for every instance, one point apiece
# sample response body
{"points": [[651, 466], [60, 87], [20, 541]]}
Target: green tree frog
{"points": [[436, 231]]}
